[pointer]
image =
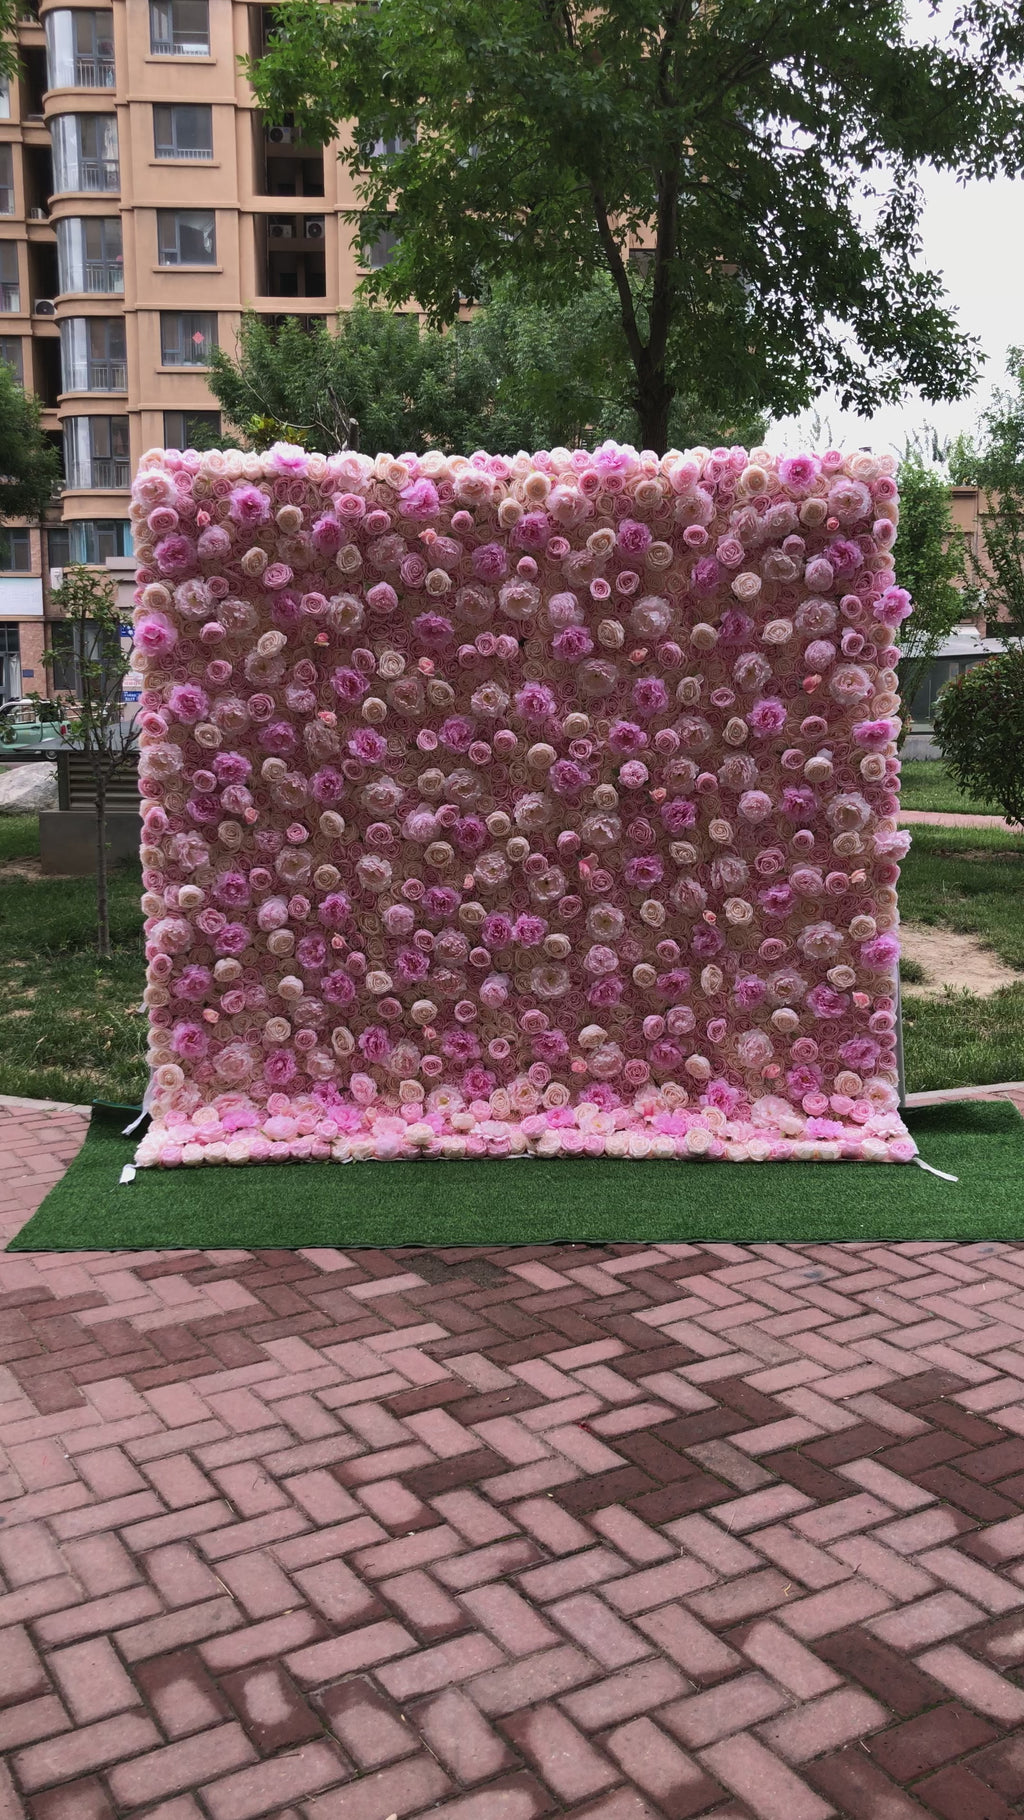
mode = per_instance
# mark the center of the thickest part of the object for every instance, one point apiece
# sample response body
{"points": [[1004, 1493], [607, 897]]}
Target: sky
{"points": [[973, 234]]}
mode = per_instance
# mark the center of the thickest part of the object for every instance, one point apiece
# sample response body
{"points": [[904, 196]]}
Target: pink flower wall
{"points": [[543, 805]]}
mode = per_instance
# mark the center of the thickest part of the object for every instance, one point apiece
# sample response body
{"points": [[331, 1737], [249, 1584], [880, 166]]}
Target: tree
{"points": [[518, 375], [763, 153], [95, 724], [979, 724], [979, 720], [995, 465], [29, 464], [929, 564]]}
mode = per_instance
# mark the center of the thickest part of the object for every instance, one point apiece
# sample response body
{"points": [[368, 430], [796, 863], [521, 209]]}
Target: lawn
{"points": [[926, 784], [70, 1027]]}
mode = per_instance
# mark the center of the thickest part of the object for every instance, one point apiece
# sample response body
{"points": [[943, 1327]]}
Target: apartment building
{"points": [[144, 203]]}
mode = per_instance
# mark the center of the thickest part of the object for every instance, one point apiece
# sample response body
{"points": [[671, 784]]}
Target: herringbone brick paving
{"points": [[636, 1533]]}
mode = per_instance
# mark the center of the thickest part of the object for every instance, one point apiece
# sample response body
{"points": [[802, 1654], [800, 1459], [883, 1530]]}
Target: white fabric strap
{"points": [[943, 1174]]}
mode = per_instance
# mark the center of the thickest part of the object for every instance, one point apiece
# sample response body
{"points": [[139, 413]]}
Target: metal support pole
{"points": [[901, 1087]]}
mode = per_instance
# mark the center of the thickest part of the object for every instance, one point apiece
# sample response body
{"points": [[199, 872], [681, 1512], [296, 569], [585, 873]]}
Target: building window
{"points": [[89, 540], [89, 255], [377, 253], [96, 452], [71, 644], [6, 180], [187, 237], [179, 28], [15, 550], [5, 98], [79, 50], [10, 289], [10, 663], [84, 152], [12, 354], [190, 429], [183, 132], [186, 338], [92, 354]]}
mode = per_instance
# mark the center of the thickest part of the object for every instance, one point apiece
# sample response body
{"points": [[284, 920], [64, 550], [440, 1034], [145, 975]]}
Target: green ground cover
{"points": [[926, 784], [70, 1028], [582, 1201]]}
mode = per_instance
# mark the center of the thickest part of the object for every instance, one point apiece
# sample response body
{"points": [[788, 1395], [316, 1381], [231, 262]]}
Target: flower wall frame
{"points": [[542, 805]]}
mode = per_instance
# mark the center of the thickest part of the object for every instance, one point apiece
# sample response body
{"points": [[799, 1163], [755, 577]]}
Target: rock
{"points": [[25, 789]]}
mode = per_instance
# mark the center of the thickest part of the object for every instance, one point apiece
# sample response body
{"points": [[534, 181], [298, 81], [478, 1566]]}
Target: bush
{"points": [[979, 725]]}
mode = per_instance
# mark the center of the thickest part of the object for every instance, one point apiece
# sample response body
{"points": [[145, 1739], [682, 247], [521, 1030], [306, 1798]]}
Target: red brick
{"points": [[459, 1735], [182, 1765], [192, 1624], [181, 1694], [729, 1707], [301, 1773], [424, 1605], [562, 1756], [23, 1674], [90, 1747], [859, 1788], [368, 1725], [85, 1800], [822, 1725], [771, 1789], [179, 1576], [30, 1720], [673, 1779], [615, 1698], [258, 1584], [519, 1797], [958, 1795], [403, 1788], [452, 1661], [338, 1656], [92, 1680], [908, 1750], [552, 1672]]}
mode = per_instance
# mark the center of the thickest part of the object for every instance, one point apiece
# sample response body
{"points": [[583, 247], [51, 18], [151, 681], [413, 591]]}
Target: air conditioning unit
{"points": [[280, 230], [281, 135], [314, 227], [44, 306], [38, 215]]}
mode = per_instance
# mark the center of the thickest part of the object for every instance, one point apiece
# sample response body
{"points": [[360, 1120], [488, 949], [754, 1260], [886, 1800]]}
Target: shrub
{"points": [[979, 725]]}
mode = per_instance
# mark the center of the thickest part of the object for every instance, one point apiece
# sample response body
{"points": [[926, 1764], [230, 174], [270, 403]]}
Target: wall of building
{"points": [[281, 245]]}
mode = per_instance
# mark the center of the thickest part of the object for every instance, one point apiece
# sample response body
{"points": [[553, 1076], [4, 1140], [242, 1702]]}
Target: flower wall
{"points": [[542, 805]]}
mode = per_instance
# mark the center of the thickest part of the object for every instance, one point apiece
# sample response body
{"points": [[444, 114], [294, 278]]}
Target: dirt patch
{"points": [[31, 869], [957, 961]]}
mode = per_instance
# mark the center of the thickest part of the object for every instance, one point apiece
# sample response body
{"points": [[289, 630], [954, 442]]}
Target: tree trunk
{"points": [[102, 897], [653, 403]]}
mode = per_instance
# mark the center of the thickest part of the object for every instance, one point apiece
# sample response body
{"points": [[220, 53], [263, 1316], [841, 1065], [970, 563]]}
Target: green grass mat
{"points": [[530, 1201]]}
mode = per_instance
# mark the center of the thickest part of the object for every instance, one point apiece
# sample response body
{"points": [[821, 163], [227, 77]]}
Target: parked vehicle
{"points": [[29, 722]]}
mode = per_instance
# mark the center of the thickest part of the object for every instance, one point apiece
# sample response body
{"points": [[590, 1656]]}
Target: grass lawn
{"points": [[925, 784], [70, 1028]]}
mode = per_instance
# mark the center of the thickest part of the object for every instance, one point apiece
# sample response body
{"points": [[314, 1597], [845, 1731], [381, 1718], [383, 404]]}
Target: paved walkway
{"points": [[933, 818], [640, 1533]]}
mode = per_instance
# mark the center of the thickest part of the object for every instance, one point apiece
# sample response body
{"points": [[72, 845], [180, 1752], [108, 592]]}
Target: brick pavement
{"points": [[635, 1533]]}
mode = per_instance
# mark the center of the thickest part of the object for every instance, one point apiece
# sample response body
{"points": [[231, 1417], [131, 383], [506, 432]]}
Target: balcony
{"points": [[108, 474], [178, 47], [106, 376], [86, 72], [99, 174], [102, 277]]}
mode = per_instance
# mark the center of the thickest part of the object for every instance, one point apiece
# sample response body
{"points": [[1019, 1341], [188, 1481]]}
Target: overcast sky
{"points": [[973, 234]]}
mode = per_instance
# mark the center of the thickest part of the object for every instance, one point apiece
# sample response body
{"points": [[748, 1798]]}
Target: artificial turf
{"points": [[538, 1201]]}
